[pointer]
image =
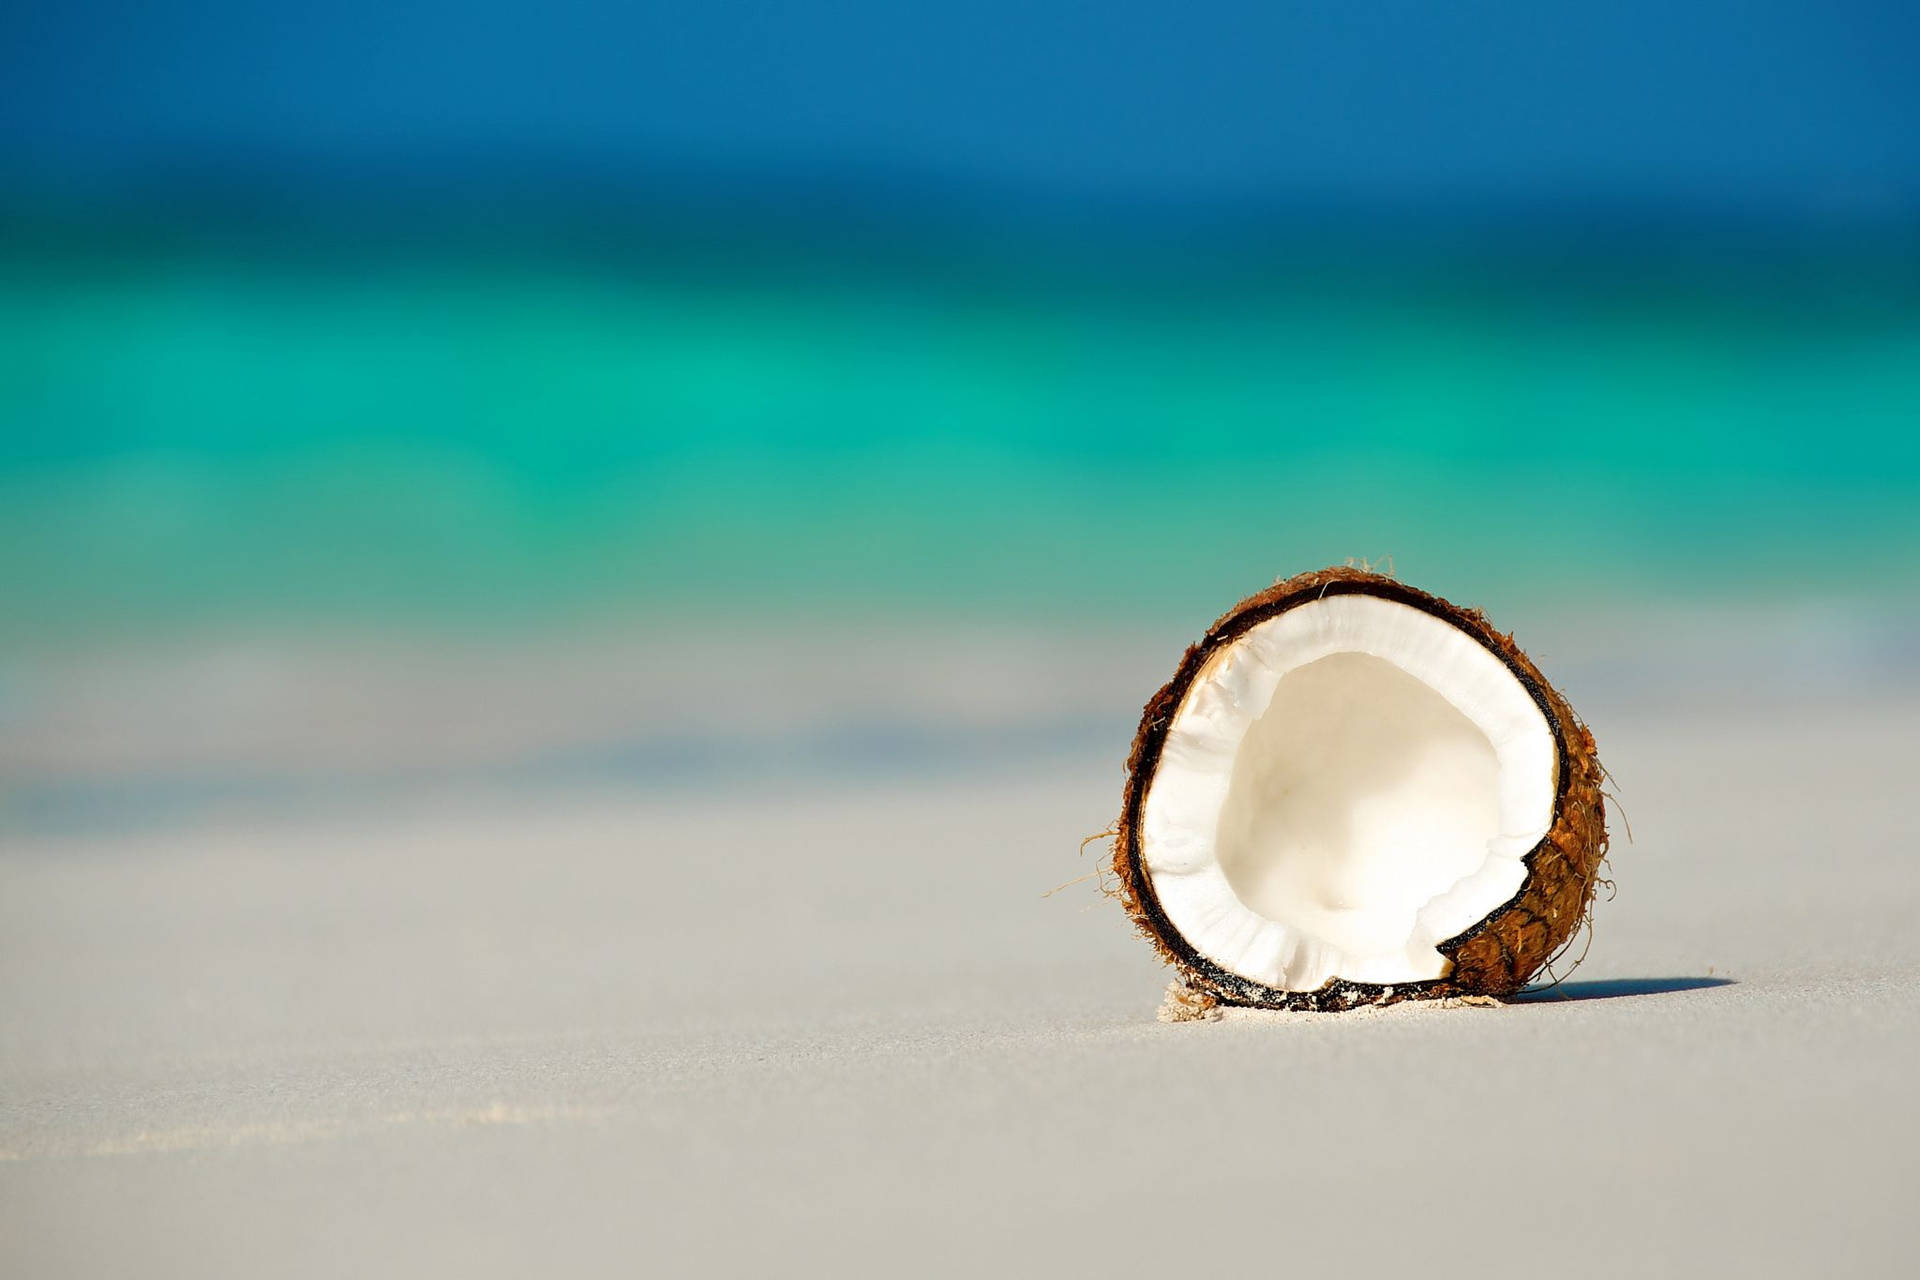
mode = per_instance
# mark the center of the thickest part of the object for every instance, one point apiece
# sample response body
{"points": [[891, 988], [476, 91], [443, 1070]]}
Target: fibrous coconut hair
{"points": [[1355, 793]]}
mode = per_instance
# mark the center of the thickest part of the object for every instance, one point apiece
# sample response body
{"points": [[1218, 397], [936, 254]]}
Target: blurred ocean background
{"points": [[340, 351]]}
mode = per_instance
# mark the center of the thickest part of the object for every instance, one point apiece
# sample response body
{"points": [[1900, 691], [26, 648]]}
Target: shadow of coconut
{"points": [[1615, 988]]}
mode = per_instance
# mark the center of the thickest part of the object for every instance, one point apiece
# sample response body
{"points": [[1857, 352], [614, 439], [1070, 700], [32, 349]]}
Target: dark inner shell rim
{"points": [[1246, 990]]}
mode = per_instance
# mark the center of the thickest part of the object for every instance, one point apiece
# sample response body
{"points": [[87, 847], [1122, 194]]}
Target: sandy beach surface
{"points": [[810, 1009]]}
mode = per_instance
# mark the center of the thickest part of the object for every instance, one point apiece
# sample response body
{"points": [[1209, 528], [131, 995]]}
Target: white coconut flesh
{"points": [[1344, 787]]}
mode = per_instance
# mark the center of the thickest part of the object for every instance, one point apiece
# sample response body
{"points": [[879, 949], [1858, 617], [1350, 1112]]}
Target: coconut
{"points": [[1355, 793]]}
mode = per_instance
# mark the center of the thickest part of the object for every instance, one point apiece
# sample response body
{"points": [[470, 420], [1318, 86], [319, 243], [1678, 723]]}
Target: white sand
{"points": [[798, 1026]]}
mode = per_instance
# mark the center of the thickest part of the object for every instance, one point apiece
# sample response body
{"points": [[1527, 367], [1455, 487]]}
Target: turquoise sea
{"points": [[194, 437]]}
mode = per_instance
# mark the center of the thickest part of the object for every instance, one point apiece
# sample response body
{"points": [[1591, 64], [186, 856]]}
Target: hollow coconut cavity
{"points": [[1351, 793]]}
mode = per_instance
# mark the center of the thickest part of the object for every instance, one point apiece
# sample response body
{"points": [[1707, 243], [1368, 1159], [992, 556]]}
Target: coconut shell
{"points": [[1495, 957]]}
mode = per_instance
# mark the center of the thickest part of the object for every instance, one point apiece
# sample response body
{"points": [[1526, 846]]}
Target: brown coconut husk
{"points": [[1495, 957]]}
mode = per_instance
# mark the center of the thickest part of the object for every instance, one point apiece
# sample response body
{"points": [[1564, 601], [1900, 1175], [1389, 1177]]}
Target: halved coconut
{"points": [[1353, 792]]}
